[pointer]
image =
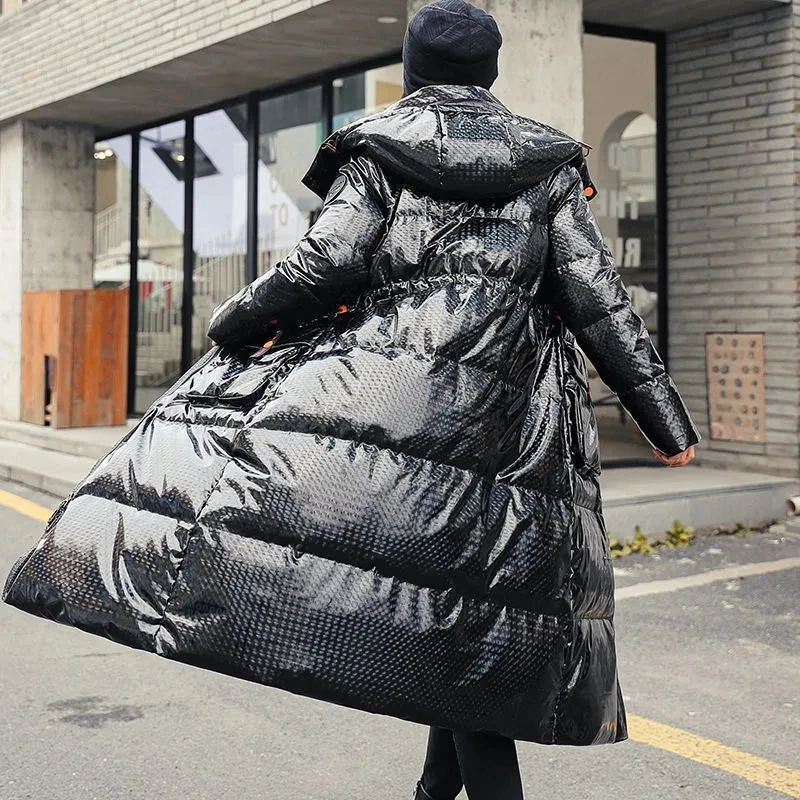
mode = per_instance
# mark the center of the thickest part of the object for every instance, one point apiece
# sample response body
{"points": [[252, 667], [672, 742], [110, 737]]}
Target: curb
{"points": [[58, 488]]}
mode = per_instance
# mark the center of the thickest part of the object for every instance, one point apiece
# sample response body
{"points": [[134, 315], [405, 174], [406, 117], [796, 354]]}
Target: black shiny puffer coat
{"points": [[396, 506]]}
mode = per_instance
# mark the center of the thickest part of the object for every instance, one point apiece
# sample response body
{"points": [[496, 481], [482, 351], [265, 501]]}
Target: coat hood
{"points": [[452, 141]]}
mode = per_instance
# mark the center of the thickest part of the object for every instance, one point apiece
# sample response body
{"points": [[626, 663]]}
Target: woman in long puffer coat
{"points": [[394, 505]]}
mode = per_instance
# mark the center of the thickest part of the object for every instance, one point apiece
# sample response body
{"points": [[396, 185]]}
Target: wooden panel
{"points": [[736, 386], [86, 333]]}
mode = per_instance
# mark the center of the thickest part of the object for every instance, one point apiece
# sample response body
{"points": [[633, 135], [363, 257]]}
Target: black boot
{"points": [[422, 794]]}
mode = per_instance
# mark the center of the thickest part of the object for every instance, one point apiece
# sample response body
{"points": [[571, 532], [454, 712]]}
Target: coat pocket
{"points": [[240, 392], [231, 381]]}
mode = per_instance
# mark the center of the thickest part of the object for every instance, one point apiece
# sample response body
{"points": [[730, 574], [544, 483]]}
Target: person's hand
{"points": [[680, 460]]}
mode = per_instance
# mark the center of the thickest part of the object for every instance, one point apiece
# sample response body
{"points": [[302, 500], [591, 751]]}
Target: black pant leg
{"points": [[489, 766], [441, 778]]}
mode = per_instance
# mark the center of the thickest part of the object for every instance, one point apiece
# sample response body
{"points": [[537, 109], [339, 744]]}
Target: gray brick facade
{"points": [[733, 181], [54, 49]]}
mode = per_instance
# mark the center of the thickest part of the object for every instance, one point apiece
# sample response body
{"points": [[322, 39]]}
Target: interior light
{"points": [[180, 157], [388, 20], [338, 83]]}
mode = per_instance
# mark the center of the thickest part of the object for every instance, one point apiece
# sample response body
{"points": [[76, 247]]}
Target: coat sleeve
{"points": [[587, 292], [328, 268]]}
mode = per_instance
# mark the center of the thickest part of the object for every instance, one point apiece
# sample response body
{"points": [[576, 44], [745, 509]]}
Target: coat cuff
{"points": [[661, 414]]}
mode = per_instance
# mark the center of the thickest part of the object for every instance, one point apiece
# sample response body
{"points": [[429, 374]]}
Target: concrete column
{"points": [[541, 63], [46, 228]]}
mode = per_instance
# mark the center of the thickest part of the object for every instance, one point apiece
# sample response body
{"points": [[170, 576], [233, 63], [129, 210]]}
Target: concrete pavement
{"points": [[83, 718]]}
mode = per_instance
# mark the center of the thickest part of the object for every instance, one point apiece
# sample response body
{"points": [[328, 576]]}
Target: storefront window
{"points": [[620, 123], [291, 132], [112, 213], [220, 214], [366, 93], [160, 268]]}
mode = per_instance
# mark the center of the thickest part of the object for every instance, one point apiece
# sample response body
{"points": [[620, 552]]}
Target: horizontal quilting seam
{"points": [[443, 586], [606, 316], [123, 499], [443, 213], [630, 392], [417, 286], [360, 443], [420, 460], [595, 254], [418, 356]]}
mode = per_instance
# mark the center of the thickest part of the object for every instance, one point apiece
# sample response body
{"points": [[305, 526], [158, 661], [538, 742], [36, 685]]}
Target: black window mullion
{"points": [[327, 108], [187, 310], [133, 278], [662, 250], [253, 147]]}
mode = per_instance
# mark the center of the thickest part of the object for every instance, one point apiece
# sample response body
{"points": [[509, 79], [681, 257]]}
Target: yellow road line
{"points": [[713, 754], [25, 507]]}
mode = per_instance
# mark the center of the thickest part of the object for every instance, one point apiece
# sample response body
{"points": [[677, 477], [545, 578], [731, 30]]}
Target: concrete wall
{"points": [[11, 171], [541, 62], [46, 228], [733, 214]]}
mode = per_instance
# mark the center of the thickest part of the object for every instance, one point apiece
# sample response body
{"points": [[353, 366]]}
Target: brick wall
{"points": [[733, 215], [52, 49]]}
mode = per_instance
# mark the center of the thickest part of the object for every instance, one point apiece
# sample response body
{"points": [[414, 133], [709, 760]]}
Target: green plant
{"points": [[640, 543], [740, 529], [678, 535], [618, 548]]}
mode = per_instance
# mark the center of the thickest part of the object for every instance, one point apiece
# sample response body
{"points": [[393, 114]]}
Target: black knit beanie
{"points": [[450, 42]]}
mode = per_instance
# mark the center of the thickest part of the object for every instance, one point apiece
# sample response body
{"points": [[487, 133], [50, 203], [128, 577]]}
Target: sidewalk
{"points": [[54, 461]]}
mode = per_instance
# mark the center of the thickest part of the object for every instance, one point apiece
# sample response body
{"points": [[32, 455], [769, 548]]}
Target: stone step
{"points": [[653, 498], [89, 443], [54, 473]]}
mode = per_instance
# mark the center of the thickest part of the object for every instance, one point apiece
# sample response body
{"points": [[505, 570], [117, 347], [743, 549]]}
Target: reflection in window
{"points": [[291, 131], [173, 154], [620, 114], [626, 208], [366, 93], [220, 215], [112, 213], [160, 268], [620, 123]]}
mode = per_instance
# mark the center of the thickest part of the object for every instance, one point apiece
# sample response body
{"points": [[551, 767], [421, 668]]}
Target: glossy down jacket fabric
{"points": [[395, 507]]}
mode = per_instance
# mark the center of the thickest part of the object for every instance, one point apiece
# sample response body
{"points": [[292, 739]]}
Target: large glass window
{"points": [[112, 237], [291, 132], [366, 93], [160, 269], [220, 214], [620, 122]]}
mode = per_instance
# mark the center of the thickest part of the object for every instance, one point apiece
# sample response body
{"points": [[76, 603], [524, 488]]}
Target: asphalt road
{"points": [[83, 719]]}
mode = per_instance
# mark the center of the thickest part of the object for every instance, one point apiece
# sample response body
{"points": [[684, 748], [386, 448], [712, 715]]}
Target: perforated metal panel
{"points": [[736, 397]]}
